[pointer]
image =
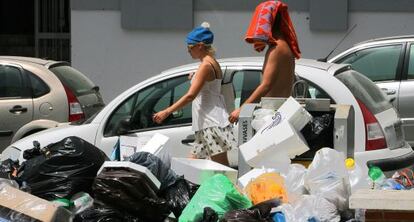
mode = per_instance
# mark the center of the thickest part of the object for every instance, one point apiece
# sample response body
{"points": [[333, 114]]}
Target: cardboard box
{"points": [[294, 113], [251, 175], [198, 170], [274, 142], [108, 165], [18, 205], [157, 144]]}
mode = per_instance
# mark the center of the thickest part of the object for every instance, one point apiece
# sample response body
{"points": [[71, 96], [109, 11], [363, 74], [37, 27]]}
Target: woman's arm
{"points": [[199, 79]]}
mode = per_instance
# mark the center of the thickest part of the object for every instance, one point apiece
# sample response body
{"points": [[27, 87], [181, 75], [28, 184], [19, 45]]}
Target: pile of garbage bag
{"points": [[72, 180]]}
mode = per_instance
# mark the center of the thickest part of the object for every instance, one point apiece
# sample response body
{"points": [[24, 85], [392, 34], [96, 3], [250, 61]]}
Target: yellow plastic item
{"points": [[350, 163], [265, 187]]}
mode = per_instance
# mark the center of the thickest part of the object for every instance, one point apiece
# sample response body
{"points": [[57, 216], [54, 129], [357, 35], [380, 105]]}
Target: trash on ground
{"points": [[61, 169], [199, 170], [158, 168], [157, 145], [132, 188], [266, 187], [272, 144], [16, 205], [218, 193], [327, 177]]}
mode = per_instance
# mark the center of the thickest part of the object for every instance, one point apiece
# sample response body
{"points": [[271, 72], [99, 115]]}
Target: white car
{"points": [[378, 133]]}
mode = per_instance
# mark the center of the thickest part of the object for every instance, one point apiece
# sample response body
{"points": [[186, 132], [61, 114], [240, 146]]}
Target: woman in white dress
{"points": [[213, 132]]}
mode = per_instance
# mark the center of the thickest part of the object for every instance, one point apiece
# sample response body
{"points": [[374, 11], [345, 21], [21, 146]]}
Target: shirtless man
{"points": [[278, 72]]}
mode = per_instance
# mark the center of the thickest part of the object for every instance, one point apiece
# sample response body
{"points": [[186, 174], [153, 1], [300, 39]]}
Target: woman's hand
{"points": [[234, 116], [160, 116], [190, 76]]}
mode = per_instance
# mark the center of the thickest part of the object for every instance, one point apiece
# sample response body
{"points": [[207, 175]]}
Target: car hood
{"points": [[46, 137]]}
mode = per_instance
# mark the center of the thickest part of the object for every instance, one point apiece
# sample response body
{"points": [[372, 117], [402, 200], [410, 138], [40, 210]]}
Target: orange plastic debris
{"points": [[265, 187]]}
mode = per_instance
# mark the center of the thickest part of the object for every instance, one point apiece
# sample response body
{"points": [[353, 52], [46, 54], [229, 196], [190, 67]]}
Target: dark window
{"points": [[38, 87], [75, 80], [11, 82], [141, 106], [244, 83], [365, 91], [411, 63], [378, 64]]}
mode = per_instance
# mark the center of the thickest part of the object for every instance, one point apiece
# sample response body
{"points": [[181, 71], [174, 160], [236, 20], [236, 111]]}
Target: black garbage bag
{"points": [[61, 169], [209, 215], [257, 213], [99, 212], [318, 133], [7, 168], [179, 195], [160, 170], [317, 126], [132, 192]]}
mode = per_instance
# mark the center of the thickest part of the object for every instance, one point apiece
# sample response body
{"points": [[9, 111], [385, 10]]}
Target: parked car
{"points": [[389, 62], [37, 94], [377, 130]]}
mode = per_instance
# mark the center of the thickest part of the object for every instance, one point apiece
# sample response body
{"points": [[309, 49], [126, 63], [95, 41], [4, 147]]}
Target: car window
{"points": [[244, 83], [315, 92], [411, 63], [38, 87], [365, 91], [11, 83], [378, 64], [142, 105], [73, 79]]}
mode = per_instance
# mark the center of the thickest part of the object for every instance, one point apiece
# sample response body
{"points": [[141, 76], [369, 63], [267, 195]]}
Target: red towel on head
{"points": [[259, 32]]}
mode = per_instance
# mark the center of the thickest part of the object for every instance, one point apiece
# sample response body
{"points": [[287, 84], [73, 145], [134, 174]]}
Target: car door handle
{"points": [[389, 91], [6, 133], [18, 109], [189, 139]]}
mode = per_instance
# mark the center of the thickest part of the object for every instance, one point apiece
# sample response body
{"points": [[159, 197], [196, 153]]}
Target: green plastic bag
{"points": [[217, 193]]}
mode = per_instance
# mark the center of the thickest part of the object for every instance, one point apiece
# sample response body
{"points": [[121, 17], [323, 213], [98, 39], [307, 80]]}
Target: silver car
{"points": [[37, 94], [389, 62], [377, 128]]}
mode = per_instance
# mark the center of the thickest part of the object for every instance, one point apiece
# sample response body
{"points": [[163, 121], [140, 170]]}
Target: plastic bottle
{"points": [[391, 184], [357, 179], [81, 201], [377, 176]]}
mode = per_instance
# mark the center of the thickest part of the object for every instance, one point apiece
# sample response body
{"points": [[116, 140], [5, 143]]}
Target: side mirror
{"points": [[177, 114]]}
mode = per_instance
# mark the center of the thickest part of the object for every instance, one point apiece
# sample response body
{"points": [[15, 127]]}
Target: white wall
{"points": [[116, 59]]}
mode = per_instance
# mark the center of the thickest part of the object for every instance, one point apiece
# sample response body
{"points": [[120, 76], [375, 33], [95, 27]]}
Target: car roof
{"points": [[384, 39], [258, 61], [29, 60]]}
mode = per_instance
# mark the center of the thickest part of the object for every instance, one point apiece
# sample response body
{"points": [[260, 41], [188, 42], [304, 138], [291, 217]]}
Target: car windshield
{"points": [[365, 90], [73, 79]]}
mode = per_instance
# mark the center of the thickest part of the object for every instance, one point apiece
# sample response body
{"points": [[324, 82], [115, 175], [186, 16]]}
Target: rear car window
{"points": [[365, 90], [72, 78]]}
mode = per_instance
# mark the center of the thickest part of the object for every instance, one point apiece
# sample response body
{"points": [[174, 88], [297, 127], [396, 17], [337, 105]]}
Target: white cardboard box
{"points": [[251, 175], [198, 170], [273, 142], [157, 144], [133, 166], [26, 207], [292, 111]]}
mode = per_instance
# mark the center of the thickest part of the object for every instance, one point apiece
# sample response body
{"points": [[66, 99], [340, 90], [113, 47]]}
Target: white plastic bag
{"points": [[295, 179], [327, 177], [315, 207], [308, 207], [261, 117]]}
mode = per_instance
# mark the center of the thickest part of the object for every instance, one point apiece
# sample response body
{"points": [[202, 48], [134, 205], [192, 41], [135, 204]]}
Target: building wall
{"points": [[117, 58]]}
